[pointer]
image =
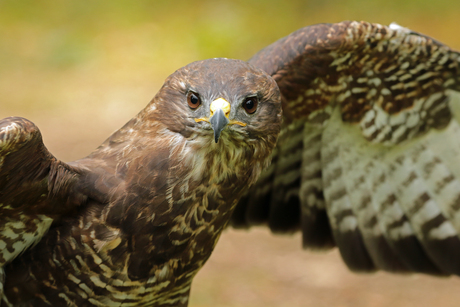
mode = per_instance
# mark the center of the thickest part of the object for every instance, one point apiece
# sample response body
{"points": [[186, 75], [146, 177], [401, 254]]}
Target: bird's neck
{"points": [[170, 197], [153, 156]]}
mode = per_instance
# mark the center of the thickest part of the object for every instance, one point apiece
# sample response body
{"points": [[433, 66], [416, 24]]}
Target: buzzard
{"points": [[358, 121]]}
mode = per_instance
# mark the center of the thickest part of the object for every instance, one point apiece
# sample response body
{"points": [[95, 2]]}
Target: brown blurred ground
{"points": [[80, 70], [259, 269]]}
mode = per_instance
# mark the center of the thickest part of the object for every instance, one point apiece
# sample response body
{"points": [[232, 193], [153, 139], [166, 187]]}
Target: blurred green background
{"points": [[81, 69]]}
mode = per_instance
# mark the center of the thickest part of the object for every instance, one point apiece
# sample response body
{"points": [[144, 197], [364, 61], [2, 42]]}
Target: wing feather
{"points": [[35, 187], [343, 219], [379, 173], [314, 220]]}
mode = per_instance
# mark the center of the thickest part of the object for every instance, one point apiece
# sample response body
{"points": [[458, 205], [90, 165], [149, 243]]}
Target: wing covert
{"points": [[35, 187]]}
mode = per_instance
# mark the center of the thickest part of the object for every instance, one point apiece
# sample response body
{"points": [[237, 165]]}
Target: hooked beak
{"points": [[218, 122], [220, 110]]}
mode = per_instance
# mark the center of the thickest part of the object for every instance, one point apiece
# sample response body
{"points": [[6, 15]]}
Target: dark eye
{"points": [[250, 104], [193, 100]]}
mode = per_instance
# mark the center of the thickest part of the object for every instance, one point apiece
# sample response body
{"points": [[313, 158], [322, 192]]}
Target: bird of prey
{"points": [[358, 120]]}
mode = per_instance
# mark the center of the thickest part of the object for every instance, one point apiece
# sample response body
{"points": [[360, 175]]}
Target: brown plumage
{"points": [[361, 163], [135, 220]]}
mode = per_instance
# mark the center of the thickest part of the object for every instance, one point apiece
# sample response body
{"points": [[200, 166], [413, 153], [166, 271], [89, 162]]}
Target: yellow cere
{"points": [[220, 103]]}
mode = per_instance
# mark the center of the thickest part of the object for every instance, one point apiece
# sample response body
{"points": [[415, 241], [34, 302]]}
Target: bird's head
{"points": [[220, 101]]}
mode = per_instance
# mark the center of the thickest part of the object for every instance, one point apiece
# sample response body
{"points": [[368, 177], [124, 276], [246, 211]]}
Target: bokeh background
{"points": [[81, 69]]}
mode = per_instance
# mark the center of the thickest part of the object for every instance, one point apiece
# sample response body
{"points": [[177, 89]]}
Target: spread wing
{"points": [[35, 188], [369, 157]]}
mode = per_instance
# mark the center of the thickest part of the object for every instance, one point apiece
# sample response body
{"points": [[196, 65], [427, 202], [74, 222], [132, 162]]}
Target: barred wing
{"points": [[35, 188], [369, 157]]}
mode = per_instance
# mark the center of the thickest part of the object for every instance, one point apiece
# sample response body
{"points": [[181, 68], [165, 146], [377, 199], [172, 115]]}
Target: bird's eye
{"points": [[250, 104], [193, 100]]}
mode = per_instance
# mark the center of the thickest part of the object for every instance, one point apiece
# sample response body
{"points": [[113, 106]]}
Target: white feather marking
{"points": [[401, 232], [23, 239], [443, 231], [349, 223]]}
